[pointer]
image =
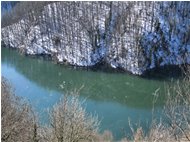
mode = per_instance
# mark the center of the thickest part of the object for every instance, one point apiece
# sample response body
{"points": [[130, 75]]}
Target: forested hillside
{"points": [[133, 36]]}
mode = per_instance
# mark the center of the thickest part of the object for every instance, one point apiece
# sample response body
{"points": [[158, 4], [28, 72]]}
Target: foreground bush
{"points": [[175, 126], [70, 122], [18, 123], [177, 109]]}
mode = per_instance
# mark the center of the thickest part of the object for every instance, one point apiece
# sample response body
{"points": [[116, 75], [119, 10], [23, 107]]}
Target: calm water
{"points": [[114, 97]]}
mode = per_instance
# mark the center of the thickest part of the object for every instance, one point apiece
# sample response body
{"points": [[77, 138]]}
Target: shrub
{"points": [[18, 122], [70, 122], [176, 124], [177, 108]]}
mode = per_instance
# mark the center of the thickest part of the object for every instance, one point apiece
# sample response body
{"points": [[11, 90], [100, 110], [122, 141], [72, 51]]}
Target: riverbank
{"points": [[164, 72]]}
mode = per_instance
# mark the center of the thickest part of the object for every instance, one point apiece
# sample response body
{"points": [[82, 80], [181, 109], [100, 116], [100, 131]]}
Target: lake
{"points": [[114, 97]]}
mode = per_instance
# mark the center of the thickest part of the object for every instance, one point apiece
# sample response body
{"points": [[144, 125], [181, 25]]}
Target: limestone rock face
{"points": [[133, 36]]}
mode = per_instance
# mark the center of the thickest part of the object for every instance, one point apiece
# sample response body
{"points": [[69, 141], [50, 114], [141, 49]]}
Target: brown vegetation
{"points": [[18, 123], [70, 122], [176, 124]]}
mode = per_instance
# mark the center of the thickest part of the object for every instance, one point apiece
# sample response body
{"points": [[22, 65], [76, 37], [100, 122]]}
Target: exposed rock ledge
{"points": [[134, 36]]}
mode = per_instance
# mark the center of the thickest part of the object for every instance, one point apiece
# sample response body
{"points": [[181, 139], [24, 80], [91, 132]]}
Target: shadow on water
{"points": [[165, 72]]}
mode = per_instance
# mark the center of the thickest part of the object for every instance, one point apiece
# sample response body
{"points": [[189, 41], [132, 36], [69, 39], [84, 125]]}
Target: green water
{"points": [[114, 97]]}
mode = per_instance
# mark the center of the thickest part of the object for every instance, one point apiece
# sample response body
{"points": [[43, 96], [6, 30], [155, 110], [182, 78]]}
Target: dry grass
{"points": [[176, 127], [177, 109]]}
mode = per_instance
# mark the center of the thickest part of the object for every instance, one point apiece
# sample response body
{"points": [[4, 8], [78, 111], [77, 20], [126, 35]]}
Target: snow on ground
{"points": [[164, 37]]}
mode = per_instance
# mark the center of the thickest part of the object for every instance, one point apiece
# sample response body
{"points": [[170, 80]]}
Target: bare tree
{"points": [[70, 122], [18, 122]]}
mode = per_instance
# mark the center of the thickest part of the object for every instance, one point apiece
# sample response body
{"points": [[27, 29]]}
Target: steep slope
{"points": [[133, 36]]}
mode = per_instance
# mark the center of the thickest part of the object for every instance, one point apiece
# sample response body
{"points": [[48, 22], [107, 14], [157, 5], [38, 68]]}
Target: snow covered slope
{"points": [[133, 36]]}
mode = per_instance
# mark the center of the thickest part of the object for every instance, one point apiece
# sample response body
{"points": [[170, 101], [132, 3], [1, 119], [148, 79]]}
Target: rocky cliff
{"points": [[133, 36]]}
